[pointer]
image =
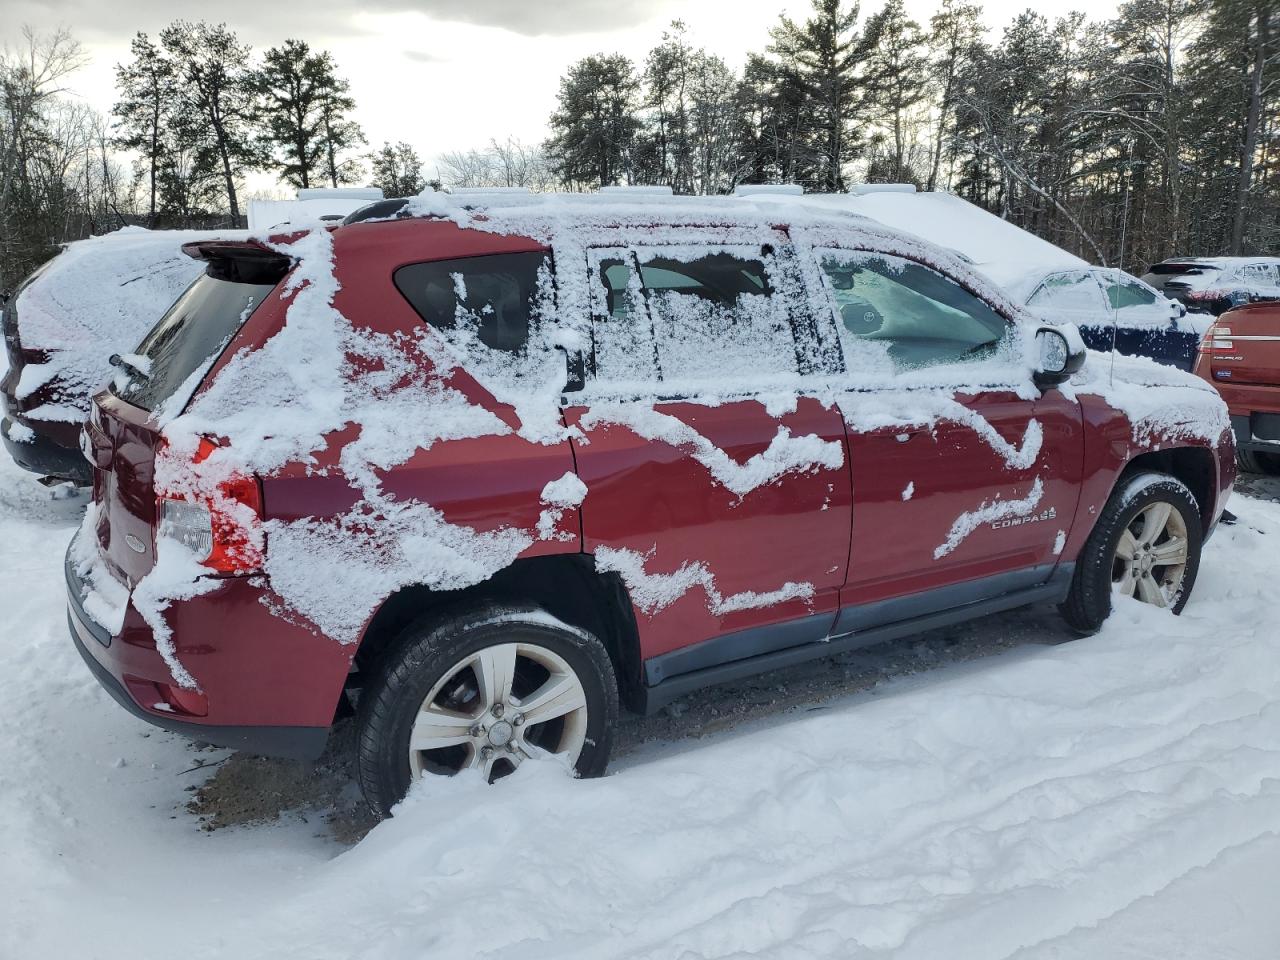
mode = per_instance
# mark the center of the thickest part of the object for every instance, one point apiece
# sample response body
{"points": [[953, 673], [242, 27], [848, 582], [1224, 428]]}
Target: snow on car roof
{"points": [[1012, 257]]}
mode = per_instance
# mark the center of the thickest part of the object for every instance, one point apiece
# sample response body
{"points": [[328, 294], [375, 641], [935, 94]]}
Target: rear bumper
{"points": [[298, 743], [265, 694], [43, 454]]}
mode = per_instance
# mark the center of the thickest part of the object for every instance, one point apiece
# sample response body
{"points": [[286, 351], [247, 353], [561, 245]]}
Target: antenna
{"points": [[1115, 272]]}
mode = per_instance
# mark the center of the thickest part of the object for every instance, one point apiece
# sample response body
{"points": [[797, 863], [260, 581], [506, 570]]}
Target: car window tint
{"points": [[1126, 293], [908, 312], [492, 298], [1067, 291], [195, 330], [714, 316], [622, 337]]}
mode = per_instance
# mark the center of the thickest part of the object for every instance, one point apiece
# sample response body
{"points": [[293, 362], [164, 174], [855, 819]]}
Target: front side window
{"points": [[1126, 293], [894, 308], [492, 299], [1258, 274]]}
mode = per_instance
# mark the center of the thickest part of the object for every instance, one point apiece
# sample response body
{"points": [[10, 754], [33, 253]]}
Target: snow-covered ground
{"points": [[1115, 797]]}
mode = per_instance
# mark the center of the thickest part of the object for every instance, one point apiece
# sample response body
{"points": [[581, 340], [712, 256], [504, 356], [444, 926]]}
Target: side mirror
{"points": [[1060, 354]]}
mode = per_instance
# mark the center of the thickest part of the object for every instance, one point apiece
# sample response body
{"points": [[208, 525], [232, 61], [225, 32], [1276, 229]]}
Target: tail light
{"points": [[1208, 296], [1208, 341], [220, 521], [1217, 337]]}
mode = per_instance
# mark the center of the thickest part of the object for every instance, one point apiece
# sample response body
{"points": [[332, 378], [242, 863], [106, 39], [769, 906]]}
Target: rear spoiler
{"points": [[239, 261]]}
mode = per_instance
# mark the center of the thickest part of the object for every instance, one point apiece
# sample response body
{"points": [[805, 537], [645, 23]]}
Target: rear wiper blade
{"points": [[129, 365]]}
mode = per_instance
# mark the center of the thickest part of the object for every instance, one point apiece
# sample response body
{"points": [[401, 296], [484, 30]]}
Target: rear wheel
{"points": [[484, 690], [1145, 545], [1251, 461]]}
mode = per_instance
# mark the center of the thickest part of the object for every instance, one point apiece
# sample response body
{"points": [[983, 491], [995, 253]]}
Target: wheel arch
{"points": [[567, 586], [1194, 466]]}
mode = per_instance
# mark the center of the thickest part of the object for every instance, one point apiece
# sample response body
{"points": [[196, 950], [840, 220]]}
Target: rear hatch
{"points": [[152, 384], [16, 355], [1244, 346]]}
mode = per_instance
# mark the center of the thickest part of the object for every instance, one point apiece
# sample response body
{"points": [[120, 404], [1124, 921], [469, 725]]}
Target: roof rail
{"points": [[755, 189], [344, 193], [648, 190], [861, 188], [480, 191]]}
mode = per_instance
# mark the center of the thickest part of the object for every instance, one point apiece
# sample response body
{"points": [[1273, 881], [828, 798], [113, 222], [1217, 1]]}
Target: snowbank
{"points": [[1117, 797]]}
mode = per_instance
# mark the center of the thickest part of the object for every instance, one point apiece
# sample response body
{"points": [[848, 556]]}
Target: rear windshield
{"points": [[191, 335], [1167, 271]]}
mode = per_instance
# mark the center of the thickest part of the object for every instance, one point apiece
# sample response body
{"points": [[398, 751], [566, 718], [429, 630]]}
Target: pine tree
{"points": [[897, 80], [595, 127], [338, 132], [289, 83], [822, 55], [145, 110], [397, 170], [667, 144], [955, 38], [217, 92]]}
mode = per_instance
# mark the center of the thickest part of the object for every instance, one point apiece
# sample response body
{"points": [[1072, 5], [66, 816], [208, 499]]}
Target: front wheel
{"points": [[1146, 545], [484, 690]]}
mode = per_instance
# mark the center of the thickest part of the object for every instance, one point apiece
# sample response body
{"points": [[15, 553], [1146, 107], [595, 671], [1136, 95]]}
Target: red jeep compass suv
{"points": [[502, 468]]}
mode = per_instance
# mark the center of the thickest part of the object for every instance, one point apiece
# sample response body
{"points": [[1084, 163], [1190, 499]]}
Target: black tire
{"points": [[1088, 603], [427, 650], [1252, 461]]}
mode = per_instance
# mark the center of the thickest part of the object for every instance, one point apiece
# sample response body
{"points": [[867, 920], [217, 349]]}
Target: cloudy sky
{"points": [[447, 74]]}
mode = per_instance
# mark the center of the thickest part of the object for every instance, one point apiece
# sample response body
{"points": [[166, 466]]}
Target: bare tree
{"points": [[31, 75], [509, 163]]}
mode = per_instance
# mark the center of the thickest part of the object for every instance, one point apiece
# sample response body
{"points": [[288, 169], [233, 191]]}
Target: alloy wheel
{"points": [[496, 707], [1151, 555]]}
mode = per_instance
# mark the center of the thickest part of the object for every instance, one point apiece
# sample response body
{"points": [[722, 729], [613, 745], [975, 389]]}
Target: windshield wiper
{"points": [[133, 369]]}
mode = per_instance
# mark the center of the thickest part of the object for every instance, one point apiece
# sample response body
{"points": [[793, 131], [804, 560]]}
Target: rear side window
{"points": [[689, 316], [192, 334], [494, 299], [715, 316]]}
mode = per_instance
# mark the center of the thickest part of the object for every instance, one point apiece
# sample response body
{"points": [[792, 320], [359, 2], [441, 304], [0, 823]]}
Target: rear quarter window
{"points": [[495, 299]]}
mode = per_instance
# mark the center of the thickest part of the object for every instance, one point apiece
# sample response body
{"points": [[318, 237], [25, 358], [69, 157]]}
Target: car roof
{"points": [[439, 226]]}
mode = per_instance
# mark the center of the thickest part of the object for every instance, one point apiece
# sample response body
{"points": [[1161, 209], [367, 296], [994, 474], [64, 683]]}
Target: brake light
{"points": [[1213, 339], [1208, 295], [219, 520]]}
